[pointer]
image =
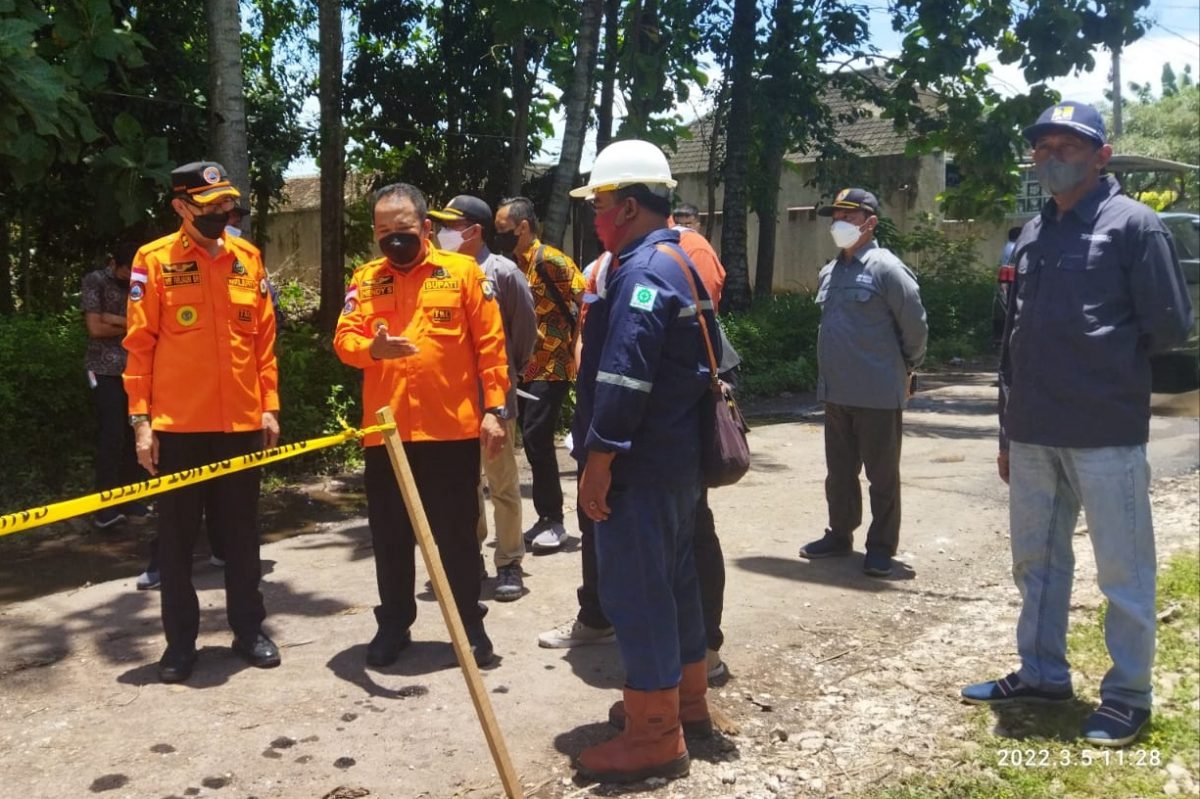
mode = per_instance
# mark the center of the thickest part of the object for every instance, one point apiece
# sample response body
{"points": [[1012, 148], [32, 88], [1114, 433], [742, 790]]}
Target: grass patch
{"points": [[1039, 754]]}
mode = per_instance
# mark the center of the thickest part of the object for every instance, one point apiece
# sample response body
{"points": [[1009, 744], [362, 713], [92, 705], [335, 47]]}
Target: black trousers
{"points": [[856, 438], [710, 568], [539, 418], [233, 502], [447, 476], [116, 460]]}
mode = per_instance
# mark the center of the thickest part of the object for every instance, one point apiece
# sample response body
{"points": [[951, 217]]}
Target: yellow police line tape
{"points": [[48, 514]]}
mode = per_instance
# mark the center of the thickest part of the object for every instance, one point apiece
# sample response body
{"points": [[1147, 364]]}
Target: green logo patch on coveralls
{"points": [[643, 297]]}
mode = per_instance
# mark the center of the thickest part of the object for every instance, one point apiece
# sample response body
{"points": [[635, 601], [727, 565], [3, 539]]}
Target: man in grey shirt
{"points": [[872, 337], [464, 224]]}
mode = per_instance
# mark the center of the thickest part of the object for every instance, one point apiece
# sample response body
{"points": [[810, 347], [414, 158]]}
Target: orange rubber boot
{"points": [[651, 744], [693, 706]]}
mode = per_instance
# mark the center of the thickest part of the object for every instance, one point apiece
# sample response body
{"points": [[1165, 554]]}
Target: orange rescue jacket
{"points": [[201, 337], [447, 308]]}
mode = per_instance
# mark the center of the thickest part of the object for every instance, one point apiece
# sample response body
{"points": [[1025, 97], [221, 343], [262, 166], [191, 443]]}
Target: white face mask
{"points": [[450, 239], [844, 233]]}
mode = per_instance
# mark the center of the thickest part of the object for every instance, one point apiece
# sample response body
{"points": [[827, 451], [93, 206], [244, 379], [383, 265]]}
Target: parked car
{"points": [[1179, 369]]}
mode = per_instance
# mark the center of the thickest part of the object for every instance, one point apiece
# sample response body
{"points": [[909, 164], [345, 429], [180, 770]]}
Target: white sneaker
{"points": [[551, 538], [533, 532], [575, 633], [147, 580]]}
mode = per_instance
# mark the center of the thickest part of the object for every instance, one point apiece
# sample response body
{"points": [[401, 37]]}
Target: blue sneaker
{"points": [[828, 546], [877, 563], [1114, 723], [1011, 689]]}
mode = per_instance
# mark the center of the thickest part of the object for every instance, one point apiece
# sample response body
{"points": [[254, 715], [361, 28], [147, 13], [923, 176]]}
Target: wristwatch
{"points": [[500, 412], [137, 418]]}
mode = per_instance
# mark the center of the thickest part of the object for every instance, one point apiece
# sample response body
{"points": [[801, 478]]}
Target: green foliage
{"points": [[777, 341], [956, 289], [943, 97], [1167, 127], [46, 419], [319, 395], [48, 425]]}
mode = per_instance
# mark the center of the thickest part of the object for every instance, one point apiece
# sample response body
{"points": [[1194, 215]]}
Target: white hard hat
{"points": [[624, 163]]}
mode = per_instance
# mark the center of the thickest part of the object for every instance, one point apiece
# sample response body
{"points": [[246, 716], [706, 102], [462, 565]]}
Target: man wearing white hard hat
{"points": [[643, 376]]}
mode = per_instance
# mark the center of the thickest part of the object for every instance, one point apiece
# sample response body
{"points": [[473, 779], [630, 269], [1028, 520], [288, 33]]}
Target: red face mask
{"points": [[606, 228]]}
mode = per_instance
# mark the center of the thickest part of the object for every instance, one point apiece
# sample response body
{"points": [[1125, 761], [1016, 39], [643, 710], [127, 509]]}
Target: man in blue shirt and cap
{"points": [[1098, 290]]}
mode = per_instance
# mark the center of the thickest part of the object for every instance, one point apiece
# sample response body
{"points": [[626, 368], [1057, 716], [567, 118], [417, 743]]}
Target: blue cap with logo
{"points": [[1078, 118]]}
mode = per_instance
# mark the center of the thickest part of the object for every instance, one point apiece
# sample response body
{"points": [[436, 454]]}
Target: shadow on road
{"points": [[214, 666], [421, 658], [838, 572]]}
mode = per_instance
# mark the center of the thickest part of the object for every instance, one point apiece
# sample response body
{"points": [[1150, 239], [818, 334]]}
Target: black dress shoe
{"points": [[260, 653], [386, 646], [481, 645], [176, 664]]}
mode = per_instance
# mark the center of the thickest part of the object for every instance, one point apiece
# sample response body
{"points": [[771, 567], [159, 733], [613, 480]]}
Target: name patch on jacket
{"points": [[243, 282], [446, 284], [245, 315], [441, 314], [182, 274], [376, 287]]}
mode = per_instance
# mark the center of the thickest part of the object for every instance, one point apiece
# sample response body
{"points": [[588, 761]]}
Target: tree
{"points": [[226, 99], [736, 294], [333, 165], [942, 98], [578, 102], [1168, 128]]}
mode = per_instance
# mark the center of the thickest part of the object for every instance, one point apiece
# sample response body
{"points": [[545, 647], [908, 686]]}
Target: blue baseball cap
{"points": [[1078, 118]]}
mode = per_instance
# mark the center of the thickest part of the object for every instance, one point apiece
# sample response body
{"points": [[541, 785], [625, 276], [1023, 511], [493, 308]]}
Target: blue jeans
{"points": [[648, 584], [1047, 487]]}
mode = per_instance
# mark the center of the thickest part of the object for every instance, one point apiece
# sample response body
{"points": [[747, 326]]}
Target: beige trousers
{"points": [[504, 485]]}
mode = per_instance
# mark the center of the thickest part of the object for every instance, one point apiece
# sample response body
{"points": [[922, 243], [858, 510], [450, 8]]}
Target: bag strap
{"points": [[552, 287], [712, 358]]}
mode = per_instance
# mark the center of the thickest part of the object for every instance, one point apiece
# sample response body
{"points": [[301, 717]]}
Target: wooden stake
{"points": [[441, 589]]}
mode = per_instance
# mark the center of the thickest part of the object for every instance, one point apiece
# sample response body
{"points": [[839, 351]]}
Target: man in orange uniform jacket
{"points": [[203, 387], [424, 327]]}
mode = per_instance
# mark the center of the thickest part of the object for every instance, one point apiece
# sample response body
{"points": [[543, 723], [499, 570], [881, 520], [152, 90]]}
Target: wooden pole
{"points": [[441, 589]]}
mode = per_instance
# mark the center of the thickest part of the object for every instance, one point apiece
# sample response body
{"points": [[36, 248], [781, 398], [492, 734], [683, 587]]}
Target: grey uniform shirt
{"points": [[873, 330], [517, 314]]}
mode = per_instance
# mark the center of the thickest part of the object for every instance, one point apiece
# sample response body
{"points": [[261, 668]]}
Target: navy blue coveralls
{"points": [[642, 377]]}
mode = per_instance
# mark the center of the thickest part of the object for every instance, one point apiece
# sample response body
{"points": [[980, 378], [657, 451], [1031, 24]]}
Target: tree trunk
{"points": [[226, 100], [736, 296], [522, 97], [768, 220], [775, 116], [578, 103], [608, 74], [715, 156], [6, 296], [332, 164], [644, 80]]}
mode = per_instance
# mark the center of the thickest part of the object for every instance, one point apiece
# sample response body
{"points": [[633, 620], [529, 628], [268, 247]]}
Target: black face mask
{"points": [[506, 241], [401, 248], [210, 226]]}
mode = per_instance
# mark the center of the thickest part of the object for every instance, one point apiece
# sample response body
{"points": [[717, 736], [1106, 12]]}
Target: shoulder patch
{"points": [[136, 292], [643, 297], [488, 288]]}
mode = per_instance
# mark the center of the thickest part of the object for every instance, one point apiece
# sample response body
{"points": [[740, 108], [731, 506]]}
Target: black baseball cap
{"points": [[203, 182], [1078, 118], [852, 200], [464, 206]]}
